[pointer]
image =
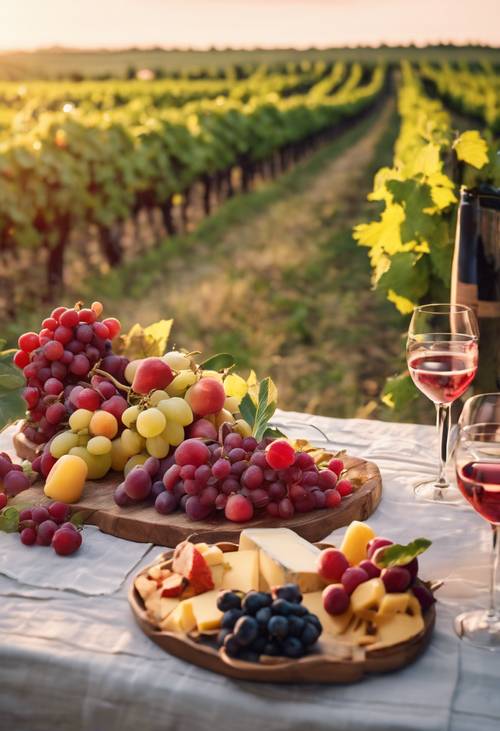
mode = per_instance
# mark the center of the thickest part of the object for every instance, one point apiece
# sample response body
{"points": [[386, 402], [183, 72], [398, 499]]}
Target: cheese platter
{"points": [[265, 610]]}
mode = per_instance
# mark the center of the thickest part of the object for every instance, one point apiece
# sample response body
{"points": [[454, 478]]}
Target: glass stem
{"points": [[492, 612], [443, 414]]}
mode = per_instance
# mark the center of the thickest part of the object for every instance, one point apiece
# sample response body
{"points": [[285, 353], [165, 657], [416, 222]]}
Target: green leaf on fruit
{"points": [[12, 405], [248, 409], [265, 409], [275, 433], [399, 555], [9, 520], [78, 519], [218, 362]]}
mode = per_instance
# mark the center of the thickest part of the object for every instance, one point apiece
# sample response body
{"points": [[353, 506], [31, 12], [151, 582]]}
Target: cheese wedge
{"points": [[392, 604], [242, 571], [397, 628], [367, 595], [205, 612], [332, 624], [212, 554], [284, 557], [182, 618], [355, 541]]}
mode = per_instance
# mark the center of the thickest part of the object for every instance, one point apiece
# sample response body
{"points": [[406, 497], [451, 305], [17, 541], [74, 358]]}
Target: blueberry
{"points": [[312, 618], [230, 618], [228, 600], [246, 630], [278, 626], [295, 626], [299, 610], [310, 634], [259, 644], [223, 633], [290, 592], [272, 649], [293, 647], [231, 645], [282, 606], [263, 616], [255, 600]]}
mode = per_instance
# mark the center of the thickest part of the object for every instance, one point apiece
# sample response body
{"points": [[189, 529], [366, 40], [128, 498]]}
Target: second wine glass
{"points": [[442, 355]]}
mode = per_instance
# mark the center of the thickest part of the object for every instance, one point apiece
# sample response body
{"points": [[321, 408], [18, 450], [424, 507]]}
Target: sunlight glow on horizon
{"points": [[29, 24]]}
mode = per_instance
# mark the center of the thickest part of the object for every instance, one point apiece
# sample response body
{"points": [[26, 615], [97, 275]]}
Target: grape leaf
{"points": [[144, 342], [12, 405], [248, 409], [218, 362], [9, 520], [399, 555], [399, 391], [472, 149]]}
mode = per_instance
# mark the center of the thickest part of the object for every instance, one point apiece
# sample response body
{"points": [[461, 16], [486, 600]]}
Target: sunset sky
{"points": [[241, 23]]}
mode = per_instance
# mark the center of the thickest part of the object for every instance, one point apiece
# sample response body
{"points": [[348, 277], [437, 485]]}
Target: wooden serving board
{"points": [[328, 665], [144, 524]]}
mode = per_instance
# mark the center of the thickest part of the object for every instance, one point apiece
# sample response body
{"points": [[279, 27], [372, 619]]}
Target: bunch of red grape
{"points": [[56, 359], [50, 526], [12, 477], [237, 477]]}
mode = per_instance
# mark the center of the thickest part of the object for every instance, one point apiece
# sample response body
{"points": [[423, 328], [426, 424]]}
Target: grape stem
{"points": [[113, 380]]}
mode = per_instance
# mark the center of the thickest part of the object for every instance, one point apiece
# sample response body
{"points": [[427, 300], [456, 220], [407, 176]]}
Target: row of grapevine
{"points": [[411, 244], [472, 94], [72, 171]]}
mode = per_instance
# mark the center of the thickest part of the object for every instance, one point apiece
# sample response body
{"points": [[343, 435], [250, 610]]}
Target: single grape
{"points": [[171, 477], [99, 445], [53, 350], [59, 511], [53, 386], [335, 599], [21, 358], [65, 541], [152, 465], [177, 410], [62, 443], [88, 399], [192, 451], [75, 347], [259, 497], [238, 468], [115, 405], [304, 461], [45, 532], [195, 509], [375, 543], [120, 496], [331, 565], [105, 388], [63, 335], [58, 370], [208, 495], [156, 489], [113, 326], [272, 509], [310, 478], [80, 419], [239, 509], [259, 458], [31, 396], [151, 422], [370, 568], [84, 333], [157, 447], [15, 482], [221, 501], [236, 455], [101, 330], [221, 469], [28, 342], [230, 485], [138, 484], [276, 490], [56, 314], [166, 503], [56, 413], [296, 493], [280, 454], [353, 577], [202, 475], [327, 479], [173, 433], [344, 487], [28, 536], [333, 498], [336, 465], [233, 441], [103, 424], [69, 318], [80, 365], [253, 477], [396, 579]]}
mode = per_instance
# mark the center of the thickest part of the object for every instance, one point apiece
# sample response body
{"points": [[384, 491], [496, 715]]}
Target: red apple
{"points": [[152, 374], [207, 396]]}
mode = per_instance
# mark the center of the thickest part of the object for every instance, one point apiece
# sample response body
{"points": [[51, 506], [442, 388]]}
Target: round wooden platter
{"points": [[332, 663], [144, 524]]}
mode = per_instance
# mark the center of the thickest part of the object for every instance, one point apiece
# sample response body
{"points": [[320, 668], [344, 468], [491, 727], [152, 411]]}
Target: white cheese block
{"points": [[284, 557], [242, 571]]}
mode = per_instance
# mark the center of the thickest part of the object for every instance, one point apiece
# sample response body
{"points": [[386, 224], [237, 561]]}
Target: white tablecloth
{"points": [[72, 657]]}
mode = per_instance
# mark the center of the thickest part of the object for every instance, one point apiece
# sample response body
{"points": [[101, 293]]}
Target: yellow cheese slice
{"points": [[397, 628], [355, 541], [392, 604], [332, 624], [367, 595], [167, 605], [182, 618], [205, 612], [242, 571], [284, 557]]}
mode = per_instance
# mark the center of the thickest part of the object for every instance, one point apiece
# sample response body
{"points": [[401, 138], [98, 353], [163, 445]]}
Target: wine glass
{"points": [[442, 355], [477, 463]]}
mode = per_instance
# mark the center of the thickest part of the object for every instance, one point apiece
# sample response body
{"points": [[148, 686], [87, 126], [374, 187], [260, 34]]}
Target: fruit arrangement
{"points": [[186, 435], [47, 525], [236, 476], [277, 594]]}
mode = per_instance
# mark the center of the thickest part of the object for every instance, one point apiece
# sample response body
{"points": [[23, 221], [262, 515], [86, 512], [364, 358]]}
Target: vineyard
{"points": [[96, 175]]}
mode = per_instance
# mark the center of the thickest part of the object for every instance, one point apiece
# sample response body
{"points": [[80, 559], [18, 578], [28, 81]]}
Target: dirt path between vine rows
{"points": [[288, 292]]}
